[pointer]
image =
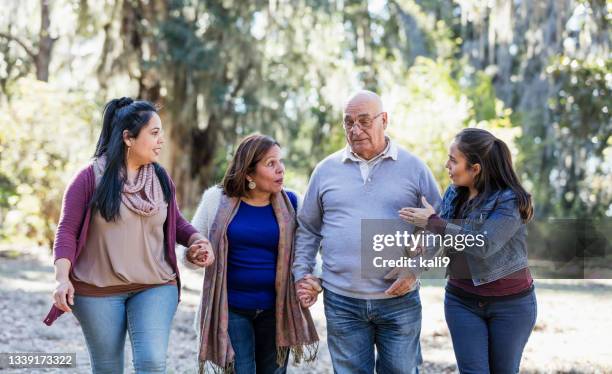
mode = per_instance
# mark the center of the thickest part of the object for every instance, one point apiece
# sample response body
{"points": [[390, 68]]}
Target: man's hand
{"points": [[200, 253], [307, 290], [404, 282]]}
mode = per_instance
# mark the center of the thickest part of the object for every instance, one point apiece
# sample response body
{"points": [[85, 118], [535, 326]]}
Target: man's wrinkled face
{"points": [[364, 125]]}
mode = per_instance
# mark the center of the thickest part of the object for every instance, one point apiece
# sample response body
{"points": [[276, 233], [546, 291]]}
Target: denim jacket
{"points": [[503, 248]]}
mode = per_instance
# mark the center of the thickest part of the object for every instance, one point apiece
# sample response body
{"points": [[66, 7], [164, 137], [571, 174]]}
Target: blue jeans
{"points": [[356, 326], [253, 337], [145, 315], [489, 337]]}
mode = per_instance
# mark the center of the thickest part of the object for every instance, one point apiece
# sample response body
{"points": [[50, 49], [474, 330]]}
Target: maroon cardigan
{"points": [[71, 234]]}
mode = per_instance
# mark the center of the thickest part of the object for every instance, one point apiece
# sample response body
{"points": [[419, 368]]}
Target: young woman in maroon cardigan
{"points": [[115, 263]]}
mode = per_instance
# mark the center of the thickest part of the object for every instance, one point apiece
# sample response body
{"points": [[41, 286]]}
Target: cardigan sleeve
{"points": [[184, 229], [74, 208]]}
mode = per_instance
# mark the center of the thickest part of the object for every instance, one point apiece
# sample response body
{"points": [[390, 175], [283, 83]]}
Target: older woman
{"points": [[250, 317]]}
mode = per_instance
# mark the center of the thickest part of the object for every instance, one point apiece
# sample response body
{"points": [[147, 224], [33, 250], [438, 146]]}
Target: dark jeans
{"points": [[253, 337], [489, 337], [356, 326]]}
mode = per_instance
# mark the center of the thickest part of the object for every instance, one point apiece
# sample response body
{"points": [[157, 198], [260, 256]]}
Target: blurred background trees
{"points": [[536, 73]]}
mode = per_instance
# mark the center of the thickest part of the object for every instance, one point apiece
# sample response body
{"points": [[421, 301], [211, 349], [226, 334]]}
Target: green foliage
{"points": [[582, 133], [45, 136], [432, 107]]}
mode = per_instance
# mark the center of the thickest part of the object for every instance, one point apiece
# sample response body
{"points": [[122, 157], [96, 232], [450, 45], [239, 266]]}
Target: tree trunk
{"points": [[45, 43]]}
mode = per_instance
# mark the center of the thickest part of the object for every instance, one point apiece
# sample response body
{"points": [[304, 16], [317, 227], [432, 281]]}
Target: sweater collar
{"points": [[390, 151]]}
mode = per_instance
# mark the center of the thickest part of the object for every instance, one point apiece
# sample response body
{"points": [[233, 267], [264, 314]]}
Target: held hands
{"points": [[307, 290], [417, 216], [200, 253], [64, 295]]}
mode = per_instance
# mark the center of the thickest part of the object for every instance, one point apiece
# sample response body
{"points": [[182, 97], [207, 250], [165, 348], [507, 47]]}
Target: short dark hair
{"points": [[249, 152]]}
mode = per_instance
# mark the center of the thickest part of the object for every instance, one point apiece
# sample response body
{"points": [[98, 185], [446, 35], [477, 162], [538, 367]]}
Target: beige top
{"points": [[130, 250]]}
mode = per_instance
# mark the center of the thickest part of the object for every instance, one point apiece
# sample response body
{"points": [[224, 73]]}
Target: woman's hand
{"points": [[63, 295], [64, 290], [417, 216], [200, 253]]}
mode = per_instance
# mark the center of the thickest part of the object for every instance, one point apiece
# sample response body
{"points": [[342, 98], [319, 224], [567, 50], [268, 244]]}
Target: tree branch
{"points": [[28, 50]]}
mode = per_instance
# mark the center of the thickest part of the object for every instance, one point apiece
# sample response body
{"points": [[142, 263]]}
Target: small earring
{"points": [[128, 152], [252, 185]]}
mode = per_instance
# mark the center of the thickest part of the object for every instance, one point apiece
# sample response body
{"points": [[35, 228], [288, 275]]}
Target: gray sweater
{"points": [[338, 198]]}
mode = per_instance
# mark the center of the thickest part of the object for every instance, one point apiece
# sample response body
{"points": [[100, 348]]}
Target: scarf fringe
{"points": [[307, 353], [211, 367]]}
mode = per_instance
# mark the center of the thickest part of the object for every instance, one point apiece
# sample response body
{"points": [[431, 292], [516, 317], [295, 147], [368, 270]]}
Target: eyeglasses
{"points": [[364, 122]]}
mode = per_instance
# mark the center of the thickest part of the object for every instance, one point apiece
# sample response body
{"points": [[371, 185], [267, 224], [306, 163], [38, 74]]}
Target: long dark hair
{"points": [[496, 172], [120, 115], [249, 152]]}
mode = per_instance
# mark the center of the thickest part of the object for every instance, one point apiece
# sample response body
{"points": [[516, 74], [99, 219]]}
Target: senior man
{"points": [[371, 178]]}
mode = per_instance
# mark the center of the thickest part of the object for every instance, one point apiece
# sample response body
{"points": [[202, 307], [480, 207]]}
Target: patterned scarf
{"points": [[144, 196], [295, 330]]}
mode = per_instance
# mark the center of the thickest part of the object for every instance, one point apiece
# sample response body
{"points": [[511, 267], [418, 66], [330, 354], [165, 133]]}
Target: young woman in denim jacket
{"points": [[490, 304]]}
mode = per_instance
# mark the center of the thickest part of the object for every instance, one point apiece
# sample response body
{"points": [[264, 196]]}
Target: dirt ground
{"points": [[572, 334]]}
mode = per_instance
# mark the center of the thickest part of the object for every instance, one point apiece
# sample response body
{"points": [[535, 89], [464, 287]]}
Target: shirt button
{"points": [[369, 179]]}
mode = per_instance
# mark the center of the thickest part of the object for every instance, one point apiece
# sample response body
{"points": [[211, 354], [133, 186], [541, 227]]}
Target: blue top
{"points": [[251, 264]]}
